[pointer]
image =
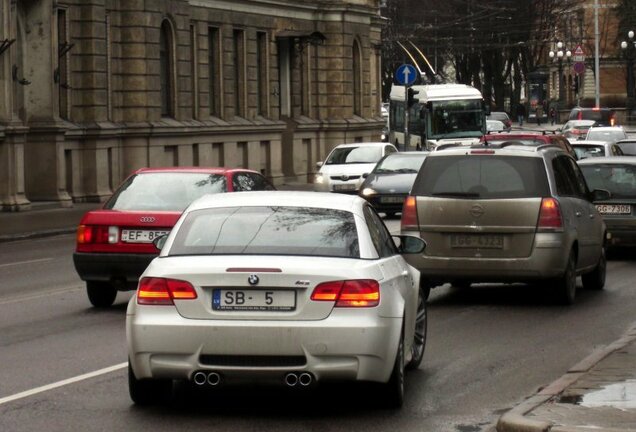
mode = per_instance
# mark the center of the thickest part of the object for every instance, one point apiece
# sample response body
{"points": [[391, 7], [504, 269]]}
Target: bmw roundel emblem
{"points": [[253, 279]]}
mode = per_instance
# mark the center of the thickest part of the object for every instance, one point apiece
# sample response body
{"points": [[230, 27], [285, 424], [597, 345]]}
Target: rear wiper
{"points": [[457, 194]]}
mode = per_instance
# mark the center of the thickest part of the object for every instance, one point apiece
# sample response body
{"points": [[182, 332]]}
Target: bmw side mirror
{"points": [[160, 241], [408, 244]]}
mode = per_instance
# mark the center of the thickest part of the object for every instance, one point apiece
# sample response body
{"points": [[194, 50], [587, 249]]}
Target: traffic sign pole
{"points": [[407, 136], [406, 76]]}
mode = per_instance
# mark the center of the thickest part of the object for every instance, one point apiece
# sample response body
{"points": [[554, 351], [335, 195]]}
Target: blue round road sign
{"points": [[406, 75]]}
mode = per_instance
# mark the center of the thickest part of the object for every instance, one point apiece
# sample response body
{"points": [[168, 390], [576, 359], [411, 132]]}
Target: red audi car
{"points": [[115, 242]]}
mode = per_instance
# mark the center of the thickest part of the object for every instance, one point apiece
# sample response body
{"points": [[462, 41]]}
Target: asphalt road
{"points": [[488, 348]]}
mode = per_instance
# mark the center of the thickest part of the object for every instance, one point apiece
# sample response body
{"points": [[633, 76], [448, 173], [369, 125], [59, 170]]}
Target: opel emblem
{"points": [[147, 219], [477, 211], [253, 279]]}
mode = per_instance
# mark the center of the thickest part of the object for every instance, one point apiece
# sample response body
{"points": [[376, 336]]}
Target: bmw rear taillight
{"points": [[409, 213], [163, 292], [550, 218], [349, 293], [97, 234]]}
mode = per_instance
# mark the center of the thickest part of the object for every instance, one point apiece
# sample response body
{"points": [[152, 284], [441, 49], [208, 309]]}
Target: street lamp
{"points": [[559, 54], [629, 49]]}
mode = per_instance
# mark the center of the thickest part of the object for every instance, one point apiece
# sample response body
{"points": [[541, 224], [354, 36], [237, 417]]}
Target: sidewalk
{"points": [[597, 394]]}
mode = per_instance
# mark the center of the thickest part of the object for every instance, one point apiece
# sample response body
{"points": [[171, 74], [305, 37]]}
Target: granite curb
{"points": [[516, 420]]}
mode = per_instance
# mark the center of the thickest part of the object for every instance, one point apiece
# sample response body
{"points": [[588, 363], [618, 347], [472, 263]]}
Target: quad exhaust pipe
{"points": [[303, 379], [203, 378]]}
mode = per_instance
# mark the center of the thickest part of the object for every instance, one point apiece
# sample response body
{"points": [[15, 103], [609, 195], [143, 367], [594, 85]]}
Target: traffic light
{"points": [[410, 96], [575, 84]]}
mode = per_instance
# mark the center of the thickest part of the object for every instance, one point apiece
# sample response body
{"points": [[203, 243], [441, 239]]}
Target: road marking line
{"points": [[58, 384], [27, 262], [39, 295]]}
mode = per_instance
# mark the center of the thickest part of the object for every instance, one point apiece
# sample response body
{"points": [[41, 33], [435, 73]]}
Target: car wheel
{"points": [[419, 338], [147, 391], [595, 279], [394, 391], [566, 285], [100, 294]]}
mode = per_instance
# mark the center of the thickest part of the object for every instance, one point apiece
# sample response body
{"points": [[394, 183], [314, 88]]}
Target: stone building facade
{"points": [[90, 91]]}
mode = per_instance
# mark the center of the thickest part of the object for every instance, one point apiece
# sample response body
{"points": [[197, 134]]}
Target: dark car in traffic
{"points": [[618, 176], [602, 116], [114, 243], [390, 182]]}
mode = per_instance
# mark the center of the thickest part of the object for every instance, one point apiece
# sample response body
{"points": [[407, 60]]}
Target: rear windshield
{"points": [[598, 115], [629, 149], [482, 177], [587, 151], [352, 155], [397, 163], [605, 135], [268, 231], [164, 191], [619, 179]]}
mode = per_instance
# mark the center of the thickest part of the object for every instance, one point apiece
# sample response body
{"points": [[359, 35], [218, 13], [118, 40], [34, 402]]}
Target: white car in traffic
{"points": [[293, 288], [346, 165]]}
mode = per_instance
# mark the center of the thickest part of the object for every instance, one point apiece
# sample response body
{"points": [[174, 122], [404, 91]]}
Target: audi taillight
{"points": [[163, 292], [349, 293], [96, 234], [550, 218], [409, 213]]}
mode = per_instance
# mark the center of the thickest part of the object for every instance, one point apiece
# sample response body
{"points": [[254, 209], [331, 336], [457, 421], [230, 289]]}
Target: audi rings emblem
{"points": [[476, 211], [253, 279], [147, 219]]}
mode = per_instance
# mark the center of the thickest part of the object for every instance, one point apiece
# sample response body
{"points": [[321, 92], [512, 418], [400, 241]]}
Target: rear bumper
{"points": [[163, 344], [621, 236], [112, 266], [547, 259]]}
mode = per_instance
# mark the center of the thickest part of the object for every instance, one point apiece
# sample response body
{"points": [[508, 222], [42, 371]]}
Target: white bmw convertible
{"points": [[294, 288]]}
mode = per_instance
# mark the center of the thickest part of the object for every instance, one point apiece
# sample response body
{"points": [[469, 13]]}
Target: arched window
{"points": [[166, 69], [357, 78]]}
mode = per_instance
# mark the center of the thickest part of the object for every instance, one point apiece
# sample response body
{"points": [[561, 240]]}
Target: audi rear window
{"points": [[164, 191], [268, 231], [482, 177]]}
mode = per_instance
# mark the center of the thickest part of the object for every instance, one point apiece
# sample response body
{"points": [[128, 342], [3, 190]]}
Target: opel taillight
{"points": [[163, 292], [349, 293], [550, 218], [409, 213]]}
